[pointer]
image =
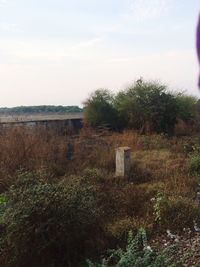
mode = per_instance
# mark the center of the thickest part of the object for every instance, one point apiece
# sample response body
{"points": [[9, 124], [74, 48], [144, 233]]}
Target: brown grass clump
{"points": [[24, 149]]}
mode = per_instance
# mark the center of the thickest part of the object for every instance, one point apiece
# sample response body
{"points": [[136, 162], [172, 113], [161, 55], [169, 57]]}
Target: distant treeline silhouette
{"points": [[39, 109]]}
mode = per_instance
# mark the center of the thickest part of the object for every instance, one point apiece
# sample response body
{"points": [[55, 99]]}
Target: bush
{"points": [[194, 163], [148, 107], [121, 227], [49, 224], [99, 110], [183, 210], [139, 254]]}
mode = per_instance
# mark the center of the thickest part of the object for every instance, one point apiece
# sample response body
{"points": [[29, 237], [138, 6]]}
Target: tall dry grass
{"points": [[158, 165], [26, 149], [37, 149]]}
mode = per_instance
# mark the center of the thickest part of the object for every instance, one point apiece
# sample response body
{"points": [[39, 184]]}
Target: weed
{"points": [[139, 254], [193, 163], [157, 204]]}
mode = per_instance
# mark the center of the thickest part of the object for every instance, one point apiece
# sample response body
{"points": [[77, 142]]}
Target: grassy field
{"points": [[160, 193]]}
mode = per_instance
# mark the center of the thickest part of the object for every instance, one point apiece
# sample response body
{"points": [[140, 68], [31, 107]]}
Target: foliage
{"points": [[159, 165], [48, 224], [139, 254], [3, 204], [185, 106], [157, 204], [99, 109], [147, 106], [39, 109], [183, 210], [193, 163]]}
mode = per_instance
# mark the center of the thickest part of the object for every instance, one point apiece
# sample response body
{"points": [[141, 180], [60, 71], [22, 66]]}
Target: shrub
{"points": [[120, 228], [99, 110], [148, 107], [194, 163], [139, 254], [48, 224], [182, 209]]}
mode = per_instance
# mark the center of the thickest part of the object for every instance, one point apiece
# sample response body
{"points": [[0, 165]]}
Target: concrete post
{"points": [[123, 161]]}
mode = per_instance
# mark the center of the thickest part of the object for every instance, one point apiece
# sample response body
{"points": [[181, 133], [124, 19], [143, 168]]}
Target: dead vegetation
{"points": [[160, 193], [158, 165]]}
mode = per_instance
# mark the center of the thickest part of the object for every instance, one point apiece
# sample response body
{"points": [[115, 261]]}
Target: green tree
{"points": [[147, 106], [100, 111], [186, 107], [39, 109]]}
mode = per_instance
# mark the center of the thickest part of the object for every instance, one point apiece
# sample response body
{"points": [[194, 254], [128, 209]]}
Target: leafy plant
{"points": [[99, 110], [3, 204], [157, 205], [139, 254], [48, 224], [193, 163]]}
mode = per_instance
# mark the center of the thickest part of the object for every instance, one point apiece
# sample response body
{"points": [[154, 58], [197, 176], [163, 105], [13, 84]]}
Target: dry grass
{"points": [[159, 165], [24, 149]]}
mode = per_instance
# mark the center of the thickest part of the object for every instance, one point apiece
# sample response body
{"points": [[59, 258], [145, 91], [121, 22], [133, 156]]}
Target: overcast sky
{"points": [[57, 52]]}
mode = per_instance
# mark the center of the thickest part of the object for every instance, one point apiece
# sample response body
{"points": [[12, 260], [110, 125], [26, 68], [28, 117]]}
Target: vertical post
{"points": [[123, 161]]}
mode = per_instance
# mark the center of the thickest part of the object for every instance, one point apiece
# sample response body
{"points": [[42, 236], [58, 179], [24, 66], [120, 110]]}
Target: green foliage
{"points": [[193, 163], [99, 109], [3, 204], [39, 109], [183, 210], [147, 106], [139, 254], [48, 224], [158, 201], [185, 107]]}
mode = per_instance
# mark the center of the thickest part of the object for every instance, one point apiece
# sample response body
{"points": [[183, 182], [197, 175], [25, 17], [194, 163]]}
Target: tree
{"points": [[147, 106], [100, 111], [186, 107]]}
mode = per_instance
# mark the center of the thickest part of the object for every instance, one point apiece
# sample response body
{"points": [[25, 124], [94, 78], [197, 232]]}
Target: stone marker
{"points": [[123, 161]]}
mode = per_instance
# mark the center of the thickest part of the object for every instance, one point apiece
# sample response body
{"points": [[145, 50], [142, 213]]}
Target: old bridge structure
{"points": [[59, 122]]}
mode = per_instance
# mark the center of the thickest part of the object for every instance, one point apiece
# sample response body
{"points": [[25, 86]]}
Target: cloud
{"points": [[9, 27], [142, 10], [45, 51], [178, 68], [89, 43], [71, 81], [3, 3]]}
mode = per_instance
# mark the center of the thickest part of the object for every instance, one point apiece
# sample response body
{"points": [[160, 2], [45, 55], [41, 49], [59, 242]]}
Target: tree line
{"points": [[39, 109], [146, 106]]}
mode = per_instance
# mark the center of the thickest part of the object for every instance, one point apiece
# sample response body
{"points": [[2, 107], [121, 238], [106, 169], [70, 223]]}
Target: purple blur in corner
{"points": [[198, 45]]}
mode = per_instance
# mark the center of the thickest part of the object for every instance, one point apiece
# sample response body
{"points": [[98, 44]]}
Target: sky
{"points": [[58, 52]]}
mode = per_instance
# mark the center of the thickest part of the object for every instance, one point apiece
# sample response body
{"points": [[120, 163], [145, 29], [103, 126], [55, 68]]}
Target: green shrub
{"points": [[158, 202], [99, 110], [47, 224], [184, 212], [194, 163], [139, 254]]}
